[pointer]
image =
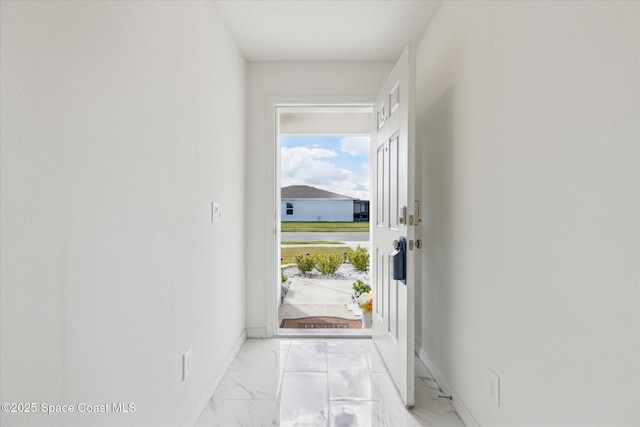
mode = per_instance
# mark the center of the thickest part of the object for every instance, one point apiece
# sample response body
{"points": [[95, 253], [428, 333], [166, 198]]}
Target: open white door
{"points": [[393, 218]]}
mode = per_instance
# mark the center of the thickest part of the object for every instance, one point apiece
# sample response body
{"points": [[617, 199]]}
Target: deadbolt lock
{"points": [[403, 215]]}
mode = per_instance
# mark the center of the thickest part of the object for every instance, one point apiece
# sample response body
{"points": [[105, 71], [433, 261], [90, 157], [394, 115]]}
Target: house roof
{"points": [[308, 192]]}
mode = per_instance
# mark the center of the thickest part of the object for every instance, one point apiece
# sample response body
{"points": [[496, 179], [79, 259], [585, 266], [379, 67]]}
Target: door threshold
{"points": [[323, 333]]}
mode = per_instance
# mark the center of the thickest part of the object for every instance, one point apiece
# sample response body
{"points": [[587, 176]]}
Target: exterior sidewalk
{"points": [[317, 297]]}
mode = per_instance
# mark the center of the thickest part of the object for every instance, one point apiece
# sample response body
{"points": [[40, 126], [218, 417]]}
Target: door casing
{"points": [[272, 211]]}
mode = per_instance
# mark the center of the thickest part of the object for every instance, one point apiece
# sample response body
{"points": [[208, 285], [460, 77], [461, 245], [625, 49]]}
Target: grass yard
{"points": [[327, 227], [289, 254]]}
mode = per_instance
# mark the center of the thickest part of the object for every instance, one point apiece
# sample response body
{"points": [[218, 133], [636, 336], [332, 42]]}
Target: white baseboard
{"points": [[458, 404], [256, 332], [197, 410]]}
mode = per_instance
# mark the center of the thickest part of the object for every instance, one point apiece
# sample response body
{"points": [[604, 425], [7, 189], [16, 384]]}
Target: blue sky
{"points": [[334, 163]]}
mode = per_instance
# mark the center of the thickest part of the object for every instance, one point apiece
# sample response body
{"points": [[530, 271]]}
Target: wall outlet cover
{"points": [[187, 364], [216, 212], [494, 387]]}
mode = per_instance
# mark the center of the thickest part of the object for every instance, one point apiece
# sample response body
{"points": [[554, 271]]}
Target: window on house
{"points": [[289, 208]]}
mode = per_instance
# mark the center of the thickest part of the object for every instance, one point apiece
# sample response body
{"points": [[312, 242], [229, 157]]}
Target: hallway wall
{"points": [[267, 80], [527, 126], [121, 123]]}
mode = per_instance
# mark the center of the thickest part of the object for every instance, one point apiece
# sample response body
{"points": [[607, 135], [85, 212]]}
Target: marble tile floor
{"points": [[328, 382]]}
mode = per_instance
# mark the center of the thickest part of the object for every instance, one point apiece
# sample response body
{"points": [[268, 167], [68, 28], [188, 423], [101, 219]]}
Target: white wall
{"points": [[266, 81], [527, 120], [121, 123], [318, 210], [325, 123]]}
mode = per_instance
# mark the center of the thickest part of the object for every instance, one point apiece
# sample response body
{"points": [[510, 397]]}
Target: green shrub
{"points": [[328, 264], [359, 258], [283, 276], [305, 263], [359, 288]]}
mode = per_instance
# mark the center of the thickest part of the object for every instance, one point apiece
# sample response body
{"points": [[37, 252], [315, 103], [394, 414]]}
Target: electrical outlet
{"points": [[216, 212], [187, 364], [494, 387]]}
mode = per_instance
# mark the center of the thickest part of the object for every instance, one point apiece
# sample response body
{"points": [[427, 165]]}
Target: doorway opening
{"points": [[322, 199]]}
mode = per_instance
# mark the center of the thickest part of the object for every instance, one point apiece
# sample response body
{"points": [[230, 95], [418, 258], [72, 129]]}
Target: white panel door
{"points": [[393, 215]]}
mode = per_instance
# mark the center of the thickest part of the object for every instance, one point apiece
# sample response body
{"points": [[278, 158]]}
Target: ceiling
{"points": [[326, 30]]}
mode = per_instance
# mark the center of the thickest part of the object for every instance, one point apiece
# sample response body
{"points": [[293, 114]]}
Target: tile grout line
{"points": [[281, 381], [326, 356]]}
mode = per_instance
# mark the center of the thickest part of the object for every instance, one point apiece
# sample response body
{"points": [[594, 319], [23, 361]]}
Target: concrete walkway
{"points": [[319, 291], [317, 297], [308, 297]]}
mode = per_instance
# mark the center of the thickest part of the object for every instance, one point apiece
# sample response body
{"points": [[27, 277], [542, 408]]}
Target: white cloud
{"points": [[355, 145], [309, 166], [356, 187]]}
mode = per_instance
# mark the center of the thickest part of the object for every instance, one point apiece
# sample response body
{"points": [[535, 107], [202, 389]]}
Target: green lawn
{"points": [[327, 227], [289, 254]]}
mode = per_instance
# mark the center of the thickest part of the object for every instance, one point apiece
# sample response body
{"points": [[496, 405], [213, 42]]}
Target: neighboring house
{"points": [[305, 203]]}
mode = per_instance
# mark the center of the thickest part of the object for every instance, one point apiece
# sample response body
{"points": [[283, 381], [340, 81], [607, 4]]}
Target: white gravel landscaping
{"points": [[345, 272]]}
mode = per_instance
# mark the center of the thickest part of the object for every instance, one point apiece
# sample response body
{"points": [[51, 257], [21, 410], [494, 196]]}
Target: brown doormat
{"points": [[327, 322]]}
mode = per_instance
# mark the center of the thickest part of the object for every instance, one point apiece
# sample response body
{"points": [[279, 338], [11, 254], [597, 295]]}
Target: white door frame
{"points": [[272, 210]]}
